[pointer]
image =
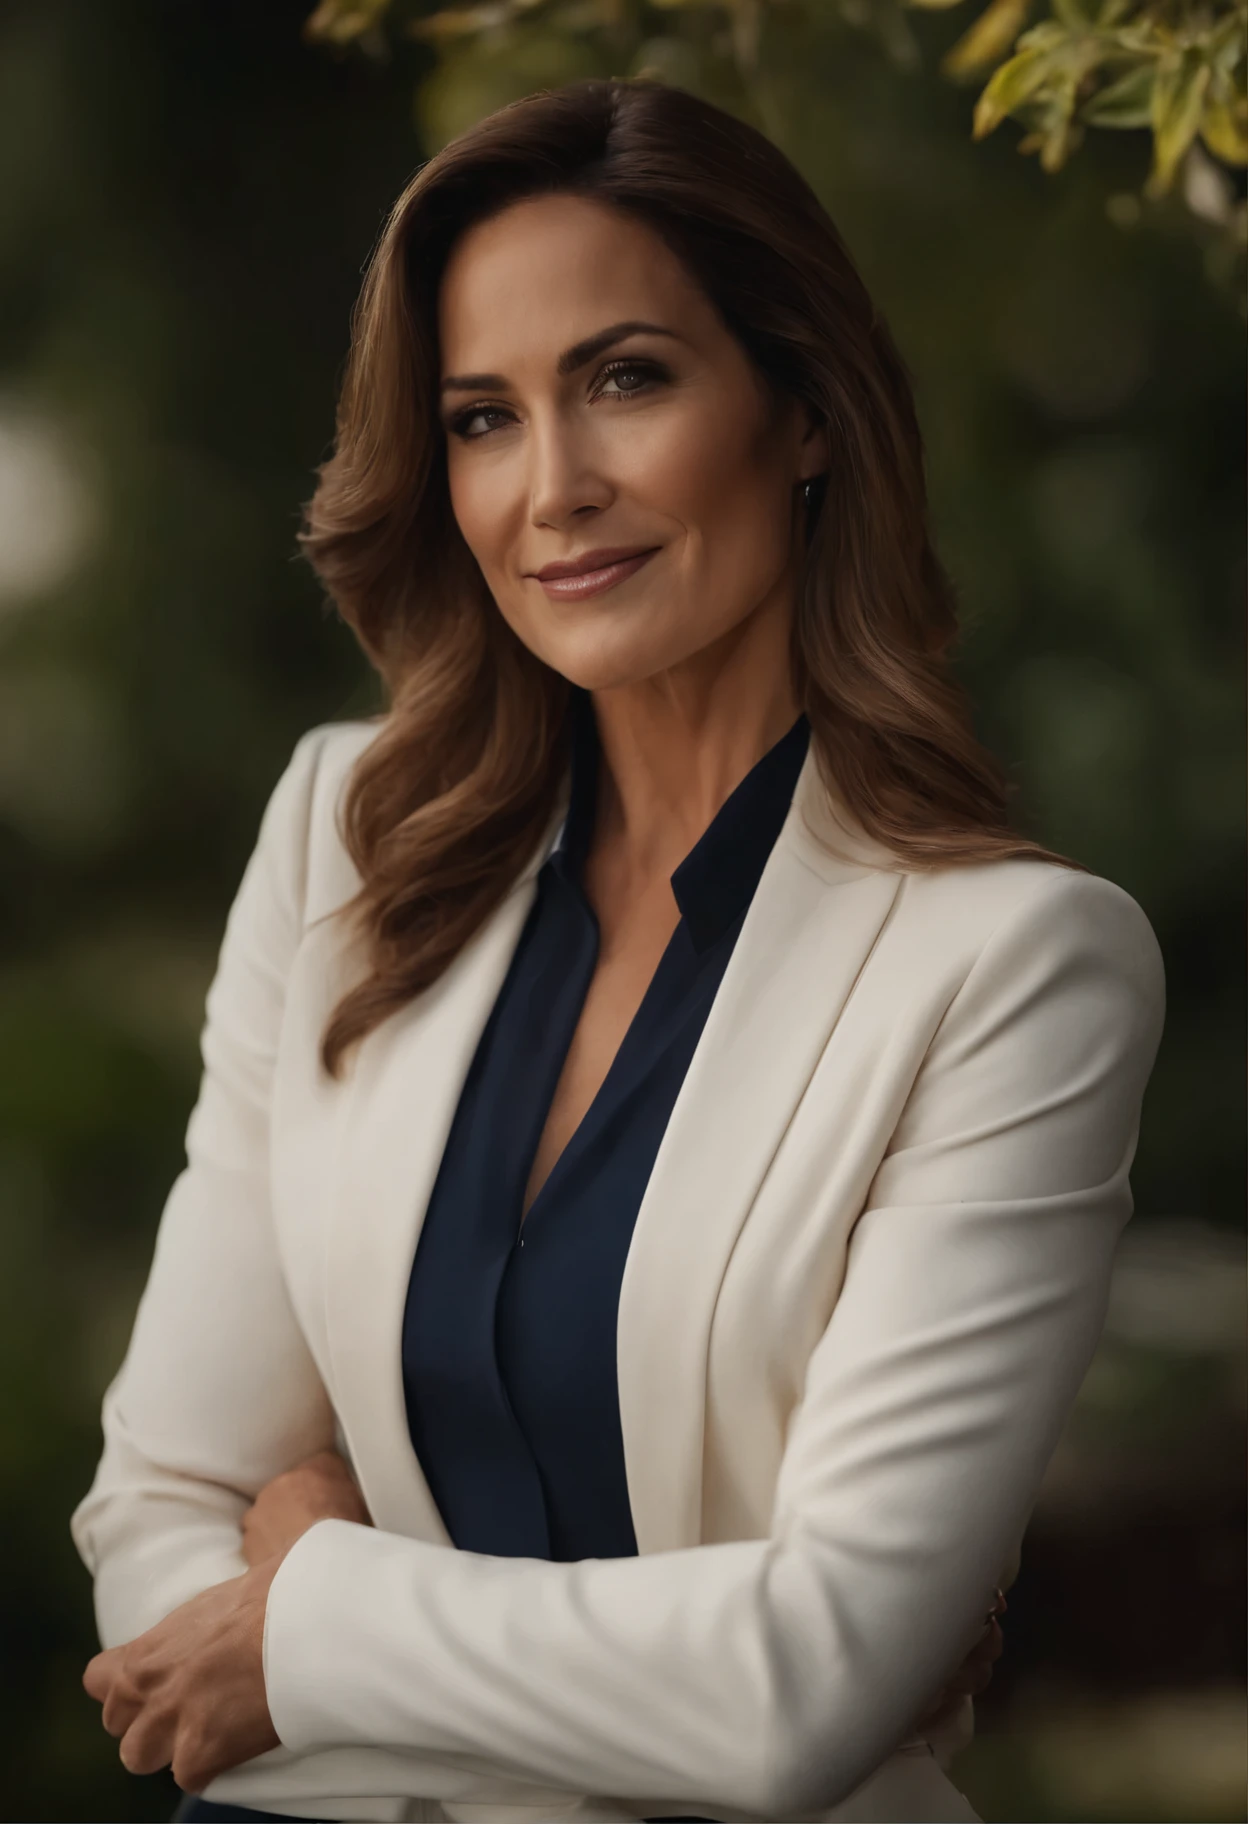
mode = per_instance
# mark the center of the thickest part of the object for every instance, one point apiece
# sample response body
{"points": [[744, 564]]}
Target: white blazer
{"points": [[865, 1283]]}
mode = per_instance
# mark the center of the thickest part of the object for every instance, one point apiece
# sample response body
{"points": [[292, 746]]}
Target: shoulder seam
{"points": [[1033, 903]]}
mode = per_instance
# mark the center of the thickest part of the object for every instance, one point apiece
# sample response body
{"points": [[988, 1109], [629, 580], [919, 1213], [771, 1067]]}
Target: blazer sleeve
{"points": [[771, 1676], [217, 1392]]}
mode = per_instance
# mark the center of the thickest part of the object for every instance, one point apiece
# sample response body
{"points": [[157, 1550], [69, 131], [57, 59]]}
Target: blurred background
{"points": [[187, 196]]}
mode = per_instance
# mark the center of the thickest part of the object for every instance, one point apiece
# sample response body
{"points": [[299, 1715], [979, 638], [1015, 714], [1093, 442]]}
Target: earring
{"points": [[808, 493]]}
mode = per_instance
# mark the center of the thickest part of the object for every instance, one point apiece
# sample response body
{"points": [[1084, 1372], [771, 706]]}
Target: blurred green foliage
{"points": [[188, 196], [1178, 70]]}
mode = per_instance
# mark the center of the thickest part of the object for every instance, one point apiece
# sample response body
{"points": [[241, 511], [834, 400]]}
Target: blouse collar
{"points": [[716, 881]]}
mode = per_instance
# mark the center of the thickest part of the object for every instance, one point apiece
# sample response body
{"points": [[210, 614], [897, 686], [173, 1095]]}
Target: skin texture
{"points": [[323, 1488], [669, 442], [189, 1694]]}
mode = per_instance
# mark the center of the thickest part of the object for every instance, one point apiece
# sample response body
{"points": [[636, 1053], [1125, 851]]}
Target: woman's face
{"points": [[601, 418]]}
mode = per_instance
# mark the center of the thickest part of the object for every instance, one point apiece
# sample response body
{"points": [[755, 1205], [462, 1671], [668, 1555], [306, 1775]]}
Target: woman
{"points": [[686, 1179]]}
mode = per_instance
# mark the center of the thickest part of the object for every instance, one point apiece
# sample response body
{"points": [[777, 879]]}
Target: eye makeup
{"points": [[650, 371]]}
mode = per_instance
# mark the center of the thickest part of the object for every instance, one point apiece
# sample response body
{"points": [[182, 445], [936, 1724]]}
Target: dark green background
{"points": [[187, 195]]}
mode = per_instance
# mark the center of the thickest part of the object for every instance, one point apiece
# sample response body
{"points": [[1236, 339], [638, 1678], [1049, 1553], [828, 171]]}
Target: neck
{"points": [[676, 746]]}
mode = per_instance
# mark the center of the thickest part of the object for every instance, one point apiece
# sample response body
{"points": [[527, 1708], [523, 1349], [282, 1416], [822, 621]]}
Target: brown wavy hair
{"points": [[451, 798]]}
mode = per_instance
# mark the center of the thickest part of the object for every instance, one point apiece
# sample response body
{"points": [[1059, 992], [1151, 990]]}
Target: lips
{"points": [[593, 572]]}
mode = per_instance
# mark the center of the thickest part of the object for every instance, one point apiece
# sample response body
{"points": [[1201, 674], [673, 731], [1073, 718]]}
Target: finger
{"points": [[196, 1759], [100, 1672], [122, 1707], [147, 1745]]}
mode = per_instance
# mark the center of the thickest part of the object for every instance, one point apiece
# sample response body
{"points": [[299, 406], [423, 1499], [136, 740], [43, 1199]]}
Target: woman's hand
{"points": [[973, 1675], [190, 1692], [322, 1488]]}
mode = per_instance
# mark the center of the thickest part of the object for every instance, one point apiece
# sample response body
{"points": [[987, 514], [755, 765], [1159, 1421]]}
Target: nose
{"points": [[565, 481]]}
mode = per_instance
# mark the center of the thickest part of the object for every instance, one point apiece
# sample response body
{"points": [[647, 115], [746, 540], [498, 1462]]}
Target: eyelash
{"points": [[650, 371]]}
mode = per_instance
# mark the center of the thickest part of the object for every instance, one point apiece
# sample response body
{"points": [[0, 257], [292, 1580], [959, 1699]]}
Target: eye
{"points": [[477, 421], [619, 379], [630, 375]]}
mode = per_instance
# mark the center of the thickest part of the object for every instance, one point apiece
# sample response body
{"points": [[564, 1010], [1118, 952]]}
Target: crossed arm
{"points": [[972, 1301], [189, 1693]]}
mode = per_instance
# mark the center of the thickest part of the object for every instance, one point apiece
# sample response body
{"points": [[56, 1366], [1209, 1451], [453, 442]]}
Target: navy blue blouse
{"points": [[509, 1333]]}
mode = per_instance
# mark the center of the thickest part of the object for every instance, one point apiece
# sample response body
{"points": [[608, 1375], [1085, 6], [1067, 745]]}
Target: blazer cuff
{"points": [[307, 1656]]}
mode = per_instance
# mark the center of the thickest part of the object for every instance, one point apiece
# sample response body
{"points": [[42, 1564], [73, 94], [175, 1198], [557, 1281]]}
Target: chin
{"points": [[604, 654], [610, 665]]}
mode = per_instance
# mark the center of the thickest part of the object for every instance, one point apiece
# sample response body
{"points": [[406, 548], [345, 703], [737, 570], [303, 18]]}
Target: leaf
{"points": [[987, 41], [1224, 129], [1125, 103], [1015, 81], [1072, 14], [1141, 38], [343, 21], [459, 22], [1034, 115], [1055, 133], [1178, 103], [1047, 36], [1064, 138], [935, 6], [1228, 43]]}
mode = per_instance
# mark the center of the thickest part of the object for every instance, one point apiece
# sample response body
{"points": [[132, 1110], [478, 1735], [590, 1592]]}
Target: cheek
{"points": [[721, 481], [478, 502], [489, 503]]}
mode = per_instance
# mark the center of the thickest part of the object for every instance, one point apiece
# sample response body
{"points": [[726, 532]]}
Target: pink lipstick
{"points": [[593, 572]]}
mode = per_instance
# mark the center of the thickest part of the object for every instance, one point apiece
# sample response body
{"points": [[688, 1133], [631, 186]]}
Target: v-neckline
{"points": [[578, 827], [592, 1117]]}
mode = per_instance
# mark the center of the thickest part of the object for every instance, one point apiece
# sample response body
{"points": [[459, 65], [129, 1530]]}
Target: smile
{"points": [[573, 584]]}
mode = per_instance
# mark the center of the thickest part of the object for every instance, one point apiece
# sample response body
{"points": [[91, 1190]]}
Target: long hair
{"points": [[451, 798]]}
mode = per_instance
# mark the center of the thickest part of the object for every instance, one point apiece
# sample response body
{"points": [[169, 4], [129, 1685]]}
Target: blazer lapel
{"points": [[400, 1103], [823, 898], [818, 909]]}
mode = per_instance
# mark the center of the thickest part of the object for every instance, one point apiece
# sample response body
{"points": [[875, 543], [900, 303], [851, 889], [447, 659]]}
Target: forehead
{"points": [[549, 270]]}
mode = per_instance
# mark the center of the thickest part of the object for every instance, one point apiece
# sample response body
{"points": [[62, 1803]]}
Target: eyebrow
{"points": [[578, 355]]}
